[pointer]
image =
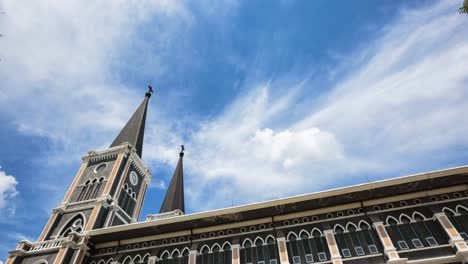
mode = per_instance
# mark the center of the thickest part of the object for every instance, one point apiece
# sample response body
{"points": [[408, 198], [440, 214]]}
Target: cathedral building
{"points": [[420, 218]]}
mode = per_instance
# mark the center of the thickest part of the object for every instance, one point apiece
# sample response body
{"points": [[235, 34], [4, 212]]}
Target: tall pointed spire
{"points": [[134, 131], [175, 193]]}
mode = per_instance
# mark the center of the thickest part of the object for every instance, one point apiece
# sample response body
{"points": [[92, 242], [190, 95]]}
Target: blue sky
{"points": [[271, 99]]}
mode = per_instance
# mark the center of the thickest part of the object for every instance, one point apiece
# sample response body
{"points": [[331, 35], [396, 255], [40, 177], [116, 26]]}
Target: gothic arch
{"points": [[137, 259], [173, 254], [101, 262], [146, 258], [245, 240], [127, 260], [304, 232], [109, 261], [416, 213], [269, 237], [315, 229], [42, 261], [338, 226], [165, 254], [292, 234], [186, 249], [203, 248], [363, 223], [69, 223], [351, 224], [459, 208], [403, 216], [214, 246], [451, 212], [226, 243], [257, 239], [389, 218]]}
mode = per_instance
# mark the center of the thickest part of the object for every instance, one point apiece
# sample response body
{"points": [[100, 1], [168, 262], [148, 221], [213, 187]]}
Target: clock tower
{"points": [[108, 190]]}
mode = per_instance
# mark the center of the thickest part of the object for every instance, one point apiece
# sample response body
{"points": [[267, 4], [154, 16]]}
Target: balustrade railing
{"points": [[164, 215], [49, 244]]}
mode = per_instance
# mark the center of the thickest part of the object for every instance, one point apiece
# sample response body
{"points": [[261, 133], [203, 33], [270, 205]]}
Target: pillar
{"points": [[389, 249], [456, 241]]}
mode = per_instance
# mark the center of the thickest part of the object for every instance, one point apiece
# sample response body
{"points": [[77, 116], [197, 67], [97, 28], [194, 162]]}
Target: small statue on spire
{"points": [[150, 91], [182, 148]]}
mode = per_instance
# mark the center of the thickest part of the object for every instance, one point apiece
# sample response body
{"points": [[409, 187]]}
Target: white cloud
{"points": [[404, 102], [7, 189], [395, 110]]}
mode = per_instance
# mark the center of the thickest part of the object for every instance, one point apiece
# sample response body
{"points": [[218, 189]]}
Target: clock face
{"points": [[133, 178]]}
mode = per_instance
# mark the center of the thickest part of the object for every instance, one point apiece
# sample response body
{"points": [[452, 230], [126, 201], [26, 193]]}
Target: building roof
{"points": [[134, 131], [174, 199], [276, 210]]}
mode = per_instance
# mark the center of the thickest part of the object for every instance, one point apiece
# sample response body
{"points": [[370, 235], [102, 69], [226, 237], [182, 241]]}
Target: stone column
{"points": [[152, 260], [389, 249], [192, 257], [235, 254], [283, 252], [333, 247], [456, 241]]}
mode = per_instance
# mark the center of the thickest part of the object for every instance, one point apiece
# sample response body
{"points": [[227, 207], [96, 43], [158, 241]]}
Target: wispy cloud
{"points": [[393, 106], [399, 107]]}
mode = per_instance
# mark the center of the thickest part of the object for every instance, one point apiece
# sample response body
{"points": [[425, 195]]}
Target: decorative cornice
{"points": [[98, 155]]}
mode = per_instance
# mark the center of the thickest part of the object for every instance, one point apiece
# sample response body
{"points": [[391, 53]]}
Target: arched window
{"points": [[459, 219], [165, 258], [271, 254], [246, 252], [127, 260], [203, 256], [73, 225], [415, 232], [293, 249], [185, 256], [368, 238], [176, 257], [260, 256], [226, 254]]}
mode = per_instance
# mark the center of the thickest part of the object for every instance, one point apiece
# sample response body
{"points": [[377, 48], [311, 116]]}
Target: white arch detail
{"points": [[304, 232], [268, 237], [175, 251], [245, 240], [101, 262], [458, 207], [362, 222], [165, 253], [136, 258], [205, 246], [450, 210], [315, 229], [351, 224], [128, 258], [291, 233], [110, 260], [183, 251], [216, 245], [258, 238], [391, 217], [407, 216], [224, 244], [338, 225], [72, 219], [418, 213]]}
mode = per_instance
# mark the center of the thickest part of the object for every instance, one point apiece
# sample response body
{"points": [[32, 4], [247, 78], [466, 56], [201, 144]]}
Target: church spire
{"points": [[175, 193], [134, 131]]}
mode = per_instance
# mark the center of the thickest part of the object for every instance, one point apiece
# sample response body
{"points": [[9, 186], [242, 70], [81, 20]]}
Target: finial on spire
{"points": [[150, 91], [182, 148]]}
